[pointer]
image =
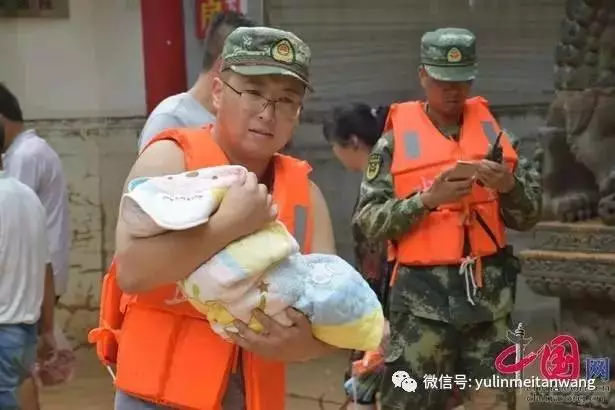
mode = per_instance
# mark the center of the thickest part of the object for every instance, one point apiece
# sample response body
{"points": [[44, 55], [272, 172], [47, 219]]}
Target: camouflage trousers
{"points": [[443, 354]]}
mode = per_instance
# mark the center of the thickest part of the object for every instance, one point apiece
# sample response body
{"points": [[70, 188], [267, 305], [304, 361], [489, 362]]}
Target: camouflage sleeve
{"points": [[380, 215], [521, 208]]}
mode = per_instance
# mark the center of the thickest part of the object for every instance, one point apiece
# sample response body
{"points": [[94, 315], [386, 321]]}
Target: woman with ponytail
{"points": [[353, 131]]}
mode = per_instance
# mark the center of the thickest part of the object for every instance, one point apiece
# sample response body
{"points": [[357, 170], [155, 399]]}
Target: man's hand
{"points": [[247, 207], [46, 347], [444, 191], [280, 343], [496, 176]]}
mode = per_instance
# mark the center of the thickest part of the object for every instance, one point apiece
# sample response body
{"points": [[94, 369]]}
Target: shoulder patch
{"points": [[374, 163]]}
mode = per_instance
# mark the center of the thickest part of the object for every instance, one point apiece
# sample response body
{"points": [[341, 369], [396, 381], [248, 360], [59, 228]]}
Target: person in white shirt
{"points": [[27, 296], [193, 109], [32, 161]]}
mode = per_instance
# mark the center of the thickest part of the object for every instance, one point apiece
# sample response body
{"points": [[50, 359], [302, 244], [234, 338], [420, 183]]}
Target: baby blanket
{"points": [[263, 270]]}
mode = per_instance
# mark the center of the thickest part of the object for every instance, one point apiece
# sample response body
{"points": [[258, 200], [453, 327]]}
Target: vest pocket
{"points": [[143, 347], [437, 240], [168, 359], [199, 367]]}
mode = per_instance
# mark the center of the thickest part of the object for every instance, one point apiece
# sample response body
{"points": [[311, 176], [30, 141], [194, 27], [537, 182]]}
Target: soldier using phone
{"points": [[453, 289]]}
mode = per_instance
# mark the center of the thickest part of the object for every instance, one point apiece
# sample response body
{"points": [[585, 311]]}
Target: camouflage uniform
{"points": [[434, 330], [371, 260]]}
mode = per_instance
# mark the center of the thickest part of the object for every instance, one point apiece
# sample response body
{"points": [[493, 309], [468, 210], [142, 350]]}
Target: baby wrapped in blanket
{"points": [[263, 270]]}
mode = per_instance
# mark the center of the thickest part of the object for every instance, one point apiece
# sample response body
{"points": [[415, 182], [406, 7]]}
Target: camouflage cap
{"points": [[449, 54], [266, 51]]}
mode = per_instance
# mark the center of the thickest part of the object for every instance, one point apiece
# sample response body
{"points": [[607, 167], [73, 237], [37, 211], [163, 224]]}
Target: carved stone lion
{"points": [[577, 146]]}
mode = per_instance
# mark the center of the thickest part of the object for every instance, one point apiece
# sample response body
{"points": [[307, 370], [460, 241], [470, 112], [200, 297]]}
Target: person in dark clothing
{"points": [[353, 130]]}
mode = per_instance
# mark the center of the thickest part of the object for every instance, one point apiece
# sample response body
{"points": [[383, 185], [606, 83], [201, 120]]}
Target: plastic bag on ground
{"points": [[60, 369]]}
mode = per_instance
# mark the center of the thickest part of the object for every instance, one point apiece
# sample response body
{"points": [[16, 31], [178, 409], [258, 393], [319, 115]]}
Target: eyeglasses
{"points": [[256, 103]]}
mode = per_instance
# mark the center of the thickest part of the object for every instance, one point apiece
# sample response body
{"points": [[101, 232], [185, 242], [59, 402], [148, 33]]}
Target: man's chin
{"points": [[453, 110], [258, 152]]}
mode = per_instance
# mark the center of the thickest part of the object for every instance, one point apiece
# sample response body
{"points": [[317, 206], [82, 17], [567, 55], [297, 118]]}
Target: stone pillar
{"points": [[576, 261]]}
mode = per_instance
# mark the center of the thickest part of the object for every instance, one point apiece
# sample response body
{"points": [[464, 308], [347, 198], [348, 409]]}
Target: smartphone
{"points": [[463, 170]]}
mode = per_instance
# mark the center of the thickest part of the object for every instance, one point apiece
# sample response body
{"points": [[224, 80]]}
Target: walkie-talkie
{"points": [[495, 154]]}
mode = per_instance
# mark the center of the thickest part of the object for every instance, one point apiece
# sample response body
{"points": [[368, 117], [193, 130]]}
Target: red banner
{"points": [[206, 9]]}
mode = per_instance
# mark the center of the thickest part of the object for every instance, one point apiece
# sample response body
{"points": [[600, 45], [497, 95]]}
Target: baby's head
{"points": [[209, 178], [216, 177]]}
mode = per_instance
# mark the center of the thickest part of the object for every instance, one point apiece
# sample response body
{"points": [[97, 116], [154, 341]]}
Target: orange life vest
{"points": [[421, 153], [168, 354]]}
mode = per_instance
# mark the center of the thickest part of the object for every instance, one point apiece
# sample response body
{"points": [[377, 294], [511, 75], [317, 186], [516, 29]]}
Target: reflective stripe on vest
{"points": [[489, 130], [412, 147]]}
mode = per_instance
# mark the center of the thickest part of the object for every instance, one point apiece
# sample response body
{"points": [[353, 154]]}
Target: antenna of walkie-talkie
{"points": [[495, 154]]}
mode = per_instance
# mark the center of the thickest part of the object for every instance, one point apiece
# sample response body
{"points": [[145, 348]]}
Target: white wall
{"points": [[90, 65]]}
